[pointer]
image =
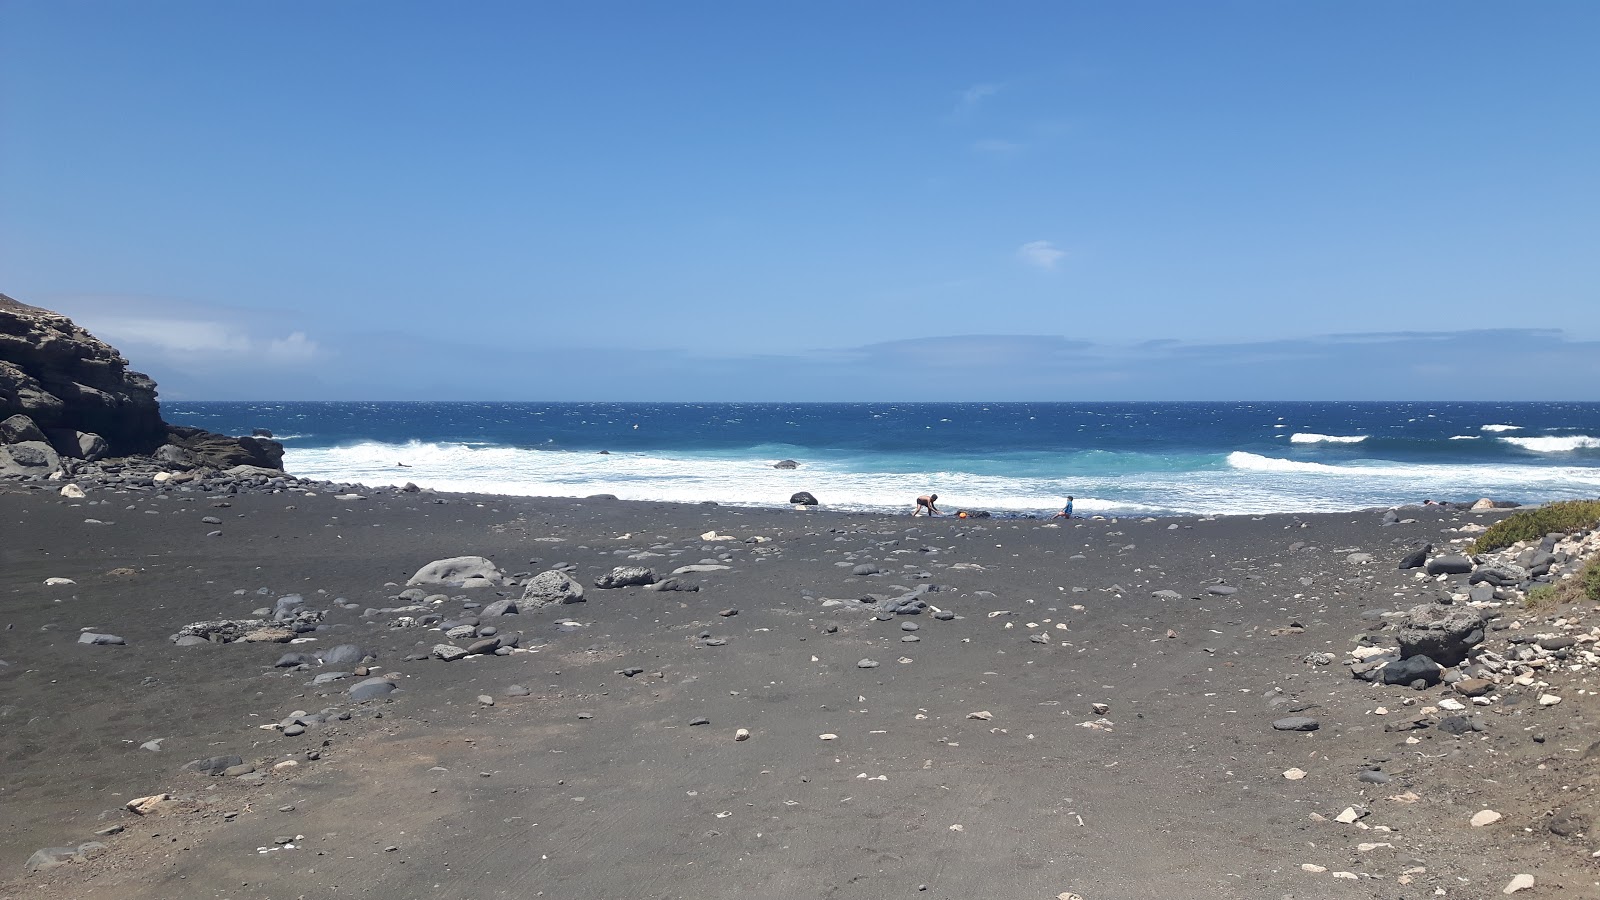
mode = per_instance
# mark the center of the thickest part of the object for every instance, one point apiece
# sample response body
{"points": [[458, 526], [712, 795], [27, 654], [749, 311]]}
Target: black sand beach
{"points": [[970, 761]]}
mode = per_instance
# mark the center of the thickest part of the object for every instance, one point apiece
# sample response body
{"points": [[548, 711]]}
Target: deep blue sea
{"points": [[1115, 458]]}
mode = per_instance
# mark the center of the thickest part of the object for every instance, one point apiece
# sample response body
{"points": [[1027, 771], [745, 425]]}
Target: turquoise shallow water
{"points": [[1155, 458]]}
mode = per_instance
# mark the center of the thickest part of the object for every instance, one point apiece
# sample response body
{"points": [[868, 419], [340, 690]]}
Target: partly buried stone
{"points": [[447, 652], [268, 636], [1568, 822], [624, 576], [1416, 559], [215, 765], [1412, 669], [1297, 723], [156, 805], [100, 640], [1442, 633], [457, 570], [505, 606], [1473, 687], [345, 655], [1450, 564], [51, 857], [803, 498], [371, 689], [553, 588]]}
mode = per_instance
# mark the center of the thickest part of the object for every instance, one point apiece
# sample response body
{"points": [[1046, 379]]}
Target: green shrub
{"points": [[1590, 576], [1532, 524]]}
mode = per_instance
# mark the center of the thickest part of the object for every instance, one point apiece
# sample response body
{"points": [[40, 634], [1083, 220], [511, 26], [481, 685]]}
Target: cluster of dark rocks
{"points": [[1476, 638]]}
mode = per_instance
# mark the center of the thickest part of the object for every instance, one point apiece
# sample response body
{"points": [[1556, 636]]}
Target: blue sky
{"points": [[824, 201]]}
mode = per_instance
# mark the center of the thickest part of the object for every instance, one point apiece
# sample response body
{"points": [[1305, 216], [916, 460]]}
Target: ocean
{"points": [[1003, 458]]}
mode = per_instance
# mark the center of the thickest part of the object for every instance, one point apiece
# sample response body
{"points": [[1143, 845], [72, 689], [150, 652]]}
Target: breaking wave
{"points": [[1555, 444], [1306, 438]]}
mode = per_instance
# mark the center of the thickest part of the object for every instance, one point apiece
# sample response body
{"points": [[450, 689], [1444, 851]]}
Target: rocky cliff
{"points": [[67, 396]]}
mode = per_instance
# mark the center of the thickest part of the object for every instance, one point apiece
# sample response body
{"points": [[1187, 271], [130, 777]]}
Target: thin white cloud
{"points": [[998, 147], [173, 335], [294, 348], [970, 99], [1043, 254], [155, 332]]}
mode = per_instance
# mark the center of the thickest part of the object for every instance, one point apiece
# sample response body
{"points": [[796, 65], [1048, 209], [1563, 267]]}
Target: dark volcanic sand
{"points": [[597, 786]]}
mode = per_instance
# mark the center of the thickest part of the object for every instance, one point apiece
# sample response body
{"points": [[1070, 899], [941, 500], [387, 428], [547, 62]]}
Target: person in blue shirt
{"points": [[1065, 513]]}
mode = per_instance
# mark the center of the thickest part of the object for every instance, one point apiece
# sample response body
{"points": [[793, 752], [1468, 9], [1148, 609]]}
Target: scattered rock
{"points": [[1297, 723], [625, 576]]}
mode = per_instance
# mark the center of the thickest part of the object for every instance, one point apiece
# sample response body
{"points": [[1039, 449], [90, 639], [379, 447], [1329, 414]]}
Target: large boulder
{"points": [[28, 458], [91, 447], [551, 588], [457, 570], [1444, 634], [19, 428], [803, 498]]}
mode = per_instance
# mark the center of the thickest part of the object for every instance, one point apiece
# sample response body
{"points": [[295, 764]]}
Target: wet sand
{"points": [[970, 762]]}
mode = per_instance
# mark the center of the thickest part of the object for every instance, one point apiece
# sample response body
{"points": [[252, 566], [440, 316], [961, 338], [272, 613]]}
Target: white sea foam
{"points": [[1249, 483], [681, 479], [1466, 437], [1555, 444], [1309, 438], [1500, 428]]}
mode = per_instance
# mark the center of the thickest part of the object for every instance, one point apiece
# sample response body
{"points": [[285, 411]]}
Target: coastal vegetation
{"points": [[1565, 517]]}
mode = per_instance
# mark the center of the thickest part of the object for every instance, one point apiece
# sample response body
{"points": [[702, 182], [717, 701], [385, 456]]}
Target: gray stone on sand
{"points": [[447, 652], [505, 606], [625, 576], [344, 655], [100, 640], [553, 588], [1297, 723], [456, 570], [371, 689]]}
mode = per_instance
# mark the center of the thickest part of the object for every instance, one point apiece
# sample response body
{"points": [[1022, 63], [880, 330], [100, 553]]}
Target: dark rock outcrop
{"points": [[66, 379], [66, 396]]}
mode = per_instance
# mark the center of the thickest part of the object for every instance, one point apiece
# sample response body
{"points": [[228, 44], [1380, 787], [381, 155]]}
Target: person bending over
{"points": [[925, 506]]}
